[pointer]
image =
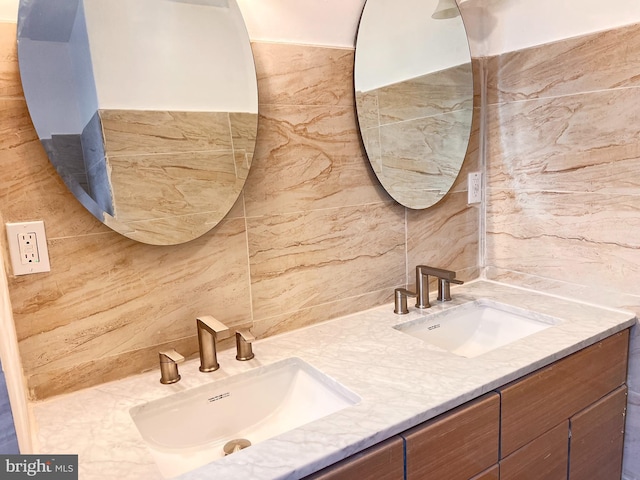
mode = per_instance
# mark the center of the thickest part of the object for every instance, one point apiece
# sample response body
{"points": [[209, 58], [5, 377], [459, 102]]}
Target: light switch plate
{"points": [[28, 247]]}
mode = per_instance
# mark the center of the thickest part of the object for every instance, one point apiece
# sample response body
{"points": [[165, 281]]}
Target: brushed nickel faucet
{"points": [[209, 331], [169, 360], [445, 279], [244, 339]]}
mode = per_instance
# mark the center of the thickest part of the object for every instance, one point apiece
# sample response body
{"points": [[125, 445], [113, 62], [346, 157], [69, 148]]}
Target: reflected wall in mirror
{"points": [[146, 108], [414, 97]]}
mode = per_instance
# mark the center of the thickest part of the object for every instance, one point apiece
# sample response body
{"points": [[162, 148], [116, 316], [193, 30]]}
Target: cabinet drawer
{"points": [[456, 445], [541, 400], [384, 461], [492, 474], [545, 457], [597, 437]]}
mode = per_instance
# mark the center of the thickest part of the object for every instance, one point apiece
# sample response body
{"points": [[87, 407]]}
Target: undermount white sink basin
{"points": [[189, 429], [474, 328]]}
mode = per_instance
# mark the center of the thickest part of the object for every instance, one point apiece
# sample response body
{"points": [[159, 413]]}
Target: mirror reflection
{"points": [[147, 109], [414, 96]]}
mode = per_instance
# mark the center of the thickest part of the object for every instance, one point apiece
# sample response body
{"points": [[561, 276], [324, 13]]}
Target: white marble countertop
{"points": [[402, 382]]}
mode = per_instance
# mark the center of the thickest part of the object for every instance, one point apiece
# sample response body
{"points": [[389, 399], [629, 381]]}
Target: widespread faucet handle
{"points": [[171, 356], [169, 360], [444, 288], [401, 295], [244, 341], [245, 334]]}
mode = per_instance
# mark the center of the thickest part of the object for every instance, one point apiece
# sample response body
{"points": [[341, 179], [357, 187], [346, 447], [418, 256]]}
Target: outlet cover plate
{"points": [[39, 259], [474, 188]]}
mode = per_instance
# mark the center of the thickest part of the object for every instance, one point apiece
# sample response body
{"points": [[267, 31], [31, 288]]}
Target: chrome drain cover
{"points": [[236, 445]]}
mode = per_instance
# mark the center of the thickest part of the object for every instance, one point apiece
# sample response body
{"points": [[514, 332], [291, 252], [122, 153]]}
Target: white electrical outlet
{"points": [[474, 186], [28, 248]]}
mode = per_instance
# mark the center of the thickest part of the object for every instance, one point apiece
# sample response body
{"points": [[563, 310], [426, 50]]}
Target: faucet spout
{"points": [[209, 331], [445, 279], [422, 286]]}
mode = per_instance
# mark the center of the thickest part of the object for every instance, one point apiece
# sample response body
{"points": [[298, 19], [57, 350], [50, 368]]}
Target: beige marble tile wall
{"points": [[563, 161], [151, 196], [311, 238], [563, 165]]}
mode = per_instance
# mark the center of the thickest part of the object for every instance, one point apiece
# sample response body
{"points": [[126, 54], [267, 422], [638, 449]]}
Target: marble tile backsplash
{"points": [[312, 237], [563, 178]]}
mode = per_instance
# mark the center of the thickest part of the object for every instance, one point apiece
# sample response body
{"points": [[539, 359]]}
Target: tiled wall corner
{"points": [[563, 155], [563, 163]]}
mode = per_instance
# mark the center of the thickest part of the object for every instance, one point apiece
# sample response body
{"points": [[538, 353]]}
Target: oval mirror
{"points": [[146, 108], [414, 96]]}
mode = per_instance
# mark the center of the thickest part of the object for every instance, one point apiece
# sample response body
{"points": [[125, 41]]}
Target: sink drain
{"points": [[236, 445]]}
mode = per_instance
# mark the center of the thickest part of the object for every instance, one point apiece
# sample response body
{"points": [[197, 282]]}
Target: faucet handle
{"points": [[444, 288], [169, 360], [401, 295], [244, 339], [213, 325], [246, 334], [171, 356]]}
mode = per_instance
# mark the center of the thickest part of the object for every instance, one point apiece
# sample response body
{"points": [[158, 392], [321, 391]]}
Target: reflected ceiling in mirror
{"points": [[146, 108], [414, 97]]}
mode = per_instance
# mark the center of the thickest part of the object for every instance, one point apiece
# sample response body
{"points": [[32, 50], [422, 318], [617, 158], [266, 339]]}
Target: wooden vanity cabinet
{"points": [[541, 400], [566, 420], [384, 461], [456, 445], [562, 422]]}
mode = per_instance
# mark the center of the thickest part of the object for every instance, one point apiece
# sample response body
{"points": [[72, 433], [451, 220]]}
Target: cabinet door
{"points": [[456, 445], [541, 400], [544, 458], [597, 436], [384, 461]]}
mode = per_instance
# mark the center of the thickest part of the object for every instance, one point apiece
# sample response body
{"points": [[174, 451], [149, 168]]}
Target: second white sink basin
{"points": [[474, 328], [189, 429]]}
